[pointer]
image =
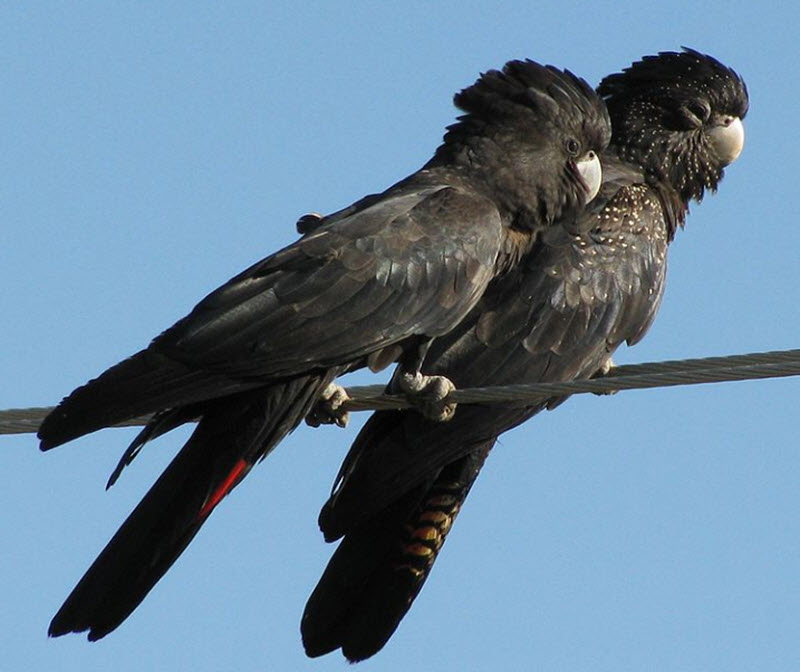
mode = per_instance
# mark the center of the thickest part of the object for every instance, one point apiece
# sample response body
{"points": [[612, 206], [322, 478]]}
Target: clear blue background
{"points": [[149, 151]]}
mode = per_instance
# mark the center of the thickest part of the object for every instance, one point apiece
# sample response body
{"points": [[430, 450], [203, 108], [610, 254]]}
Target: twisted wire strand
{"points": [[753, 366]]}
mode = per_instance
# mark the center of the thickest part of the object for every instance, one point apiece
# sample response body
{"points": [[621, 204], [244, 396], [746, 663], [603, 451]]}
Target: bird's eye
{"points": [[572, 146], [700, 110], [688, 116]]}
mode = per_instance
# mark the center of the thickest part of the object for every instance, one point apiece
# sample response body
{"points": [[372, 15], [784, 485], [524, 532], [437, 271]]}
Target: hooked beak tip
{"points": [[591, 173]]}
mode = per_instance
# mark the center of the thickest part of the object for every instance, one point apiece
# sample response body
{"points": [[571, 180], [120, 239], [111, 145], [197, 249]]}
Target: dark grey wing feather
{"points": [[410, 264]]}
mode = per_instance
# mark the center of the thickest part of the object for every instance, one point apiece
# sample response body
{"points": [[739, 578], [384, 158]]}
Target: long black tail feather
{"points": [[231, 437]]}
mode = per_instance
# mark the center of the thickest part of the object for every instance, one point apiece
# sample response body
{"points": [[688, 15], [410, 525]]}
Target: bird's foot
{"points": [[328, 408], [604, 370], [427, 394]]}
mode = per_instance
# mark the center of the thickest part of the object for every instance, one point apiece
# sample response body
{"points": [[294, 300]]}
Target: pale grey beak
{"points": [[591, 173], [728, 139]]}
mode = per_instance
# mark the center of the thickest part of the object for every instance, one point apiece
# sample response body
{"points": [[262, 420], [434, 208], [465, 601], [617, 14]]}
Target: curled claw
{"points": [[604, 369], [427, 394], [328, 409]]}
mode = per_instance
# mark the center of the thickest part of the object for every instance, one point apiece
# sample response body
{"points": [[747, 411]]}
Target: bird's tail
{"points": [[142, 384], [232, 436], [379, 568]]}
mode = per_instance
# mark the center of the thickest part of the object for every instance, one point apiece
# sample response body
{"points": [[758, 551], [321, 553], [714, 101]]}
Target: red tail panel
{"points": [[223, 489]]}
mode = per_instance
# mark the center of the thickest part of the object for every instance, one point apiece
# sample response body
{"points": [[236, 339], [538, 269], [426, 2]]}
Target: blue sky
{"points": [[152, 150]]}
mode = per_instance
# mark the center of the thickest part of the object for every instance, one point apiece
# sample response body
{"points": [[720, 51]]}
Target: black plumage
{"points": [[374, 285], [581, 292]]}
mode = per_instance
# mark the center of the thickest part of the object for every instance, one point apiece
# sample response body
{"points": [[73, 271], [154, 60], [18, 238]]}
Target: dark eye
{"points": [[572, 146], [697, 112], [688, 116], [700, 110]]}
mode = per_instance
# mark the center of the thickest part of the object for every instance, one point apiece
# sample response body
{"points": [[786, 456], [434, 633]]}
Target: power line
{"points": [[755, 366]]}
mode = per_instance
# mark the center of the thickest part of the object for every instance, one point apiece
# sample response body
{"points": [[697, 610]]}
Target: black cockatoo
{"points": [[580, 293], [374, 285]]}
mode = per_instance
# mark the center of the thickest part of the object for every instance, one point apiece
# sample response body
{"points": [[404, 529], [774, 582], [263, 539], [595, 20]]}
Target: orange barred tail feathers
{"points": [[380, 567]]}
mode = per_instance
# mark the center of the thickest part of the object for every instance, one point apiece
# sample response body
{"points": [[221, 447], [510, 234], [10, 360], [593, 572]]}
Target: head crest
{"points": [[529, 93], [670, 73]]}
